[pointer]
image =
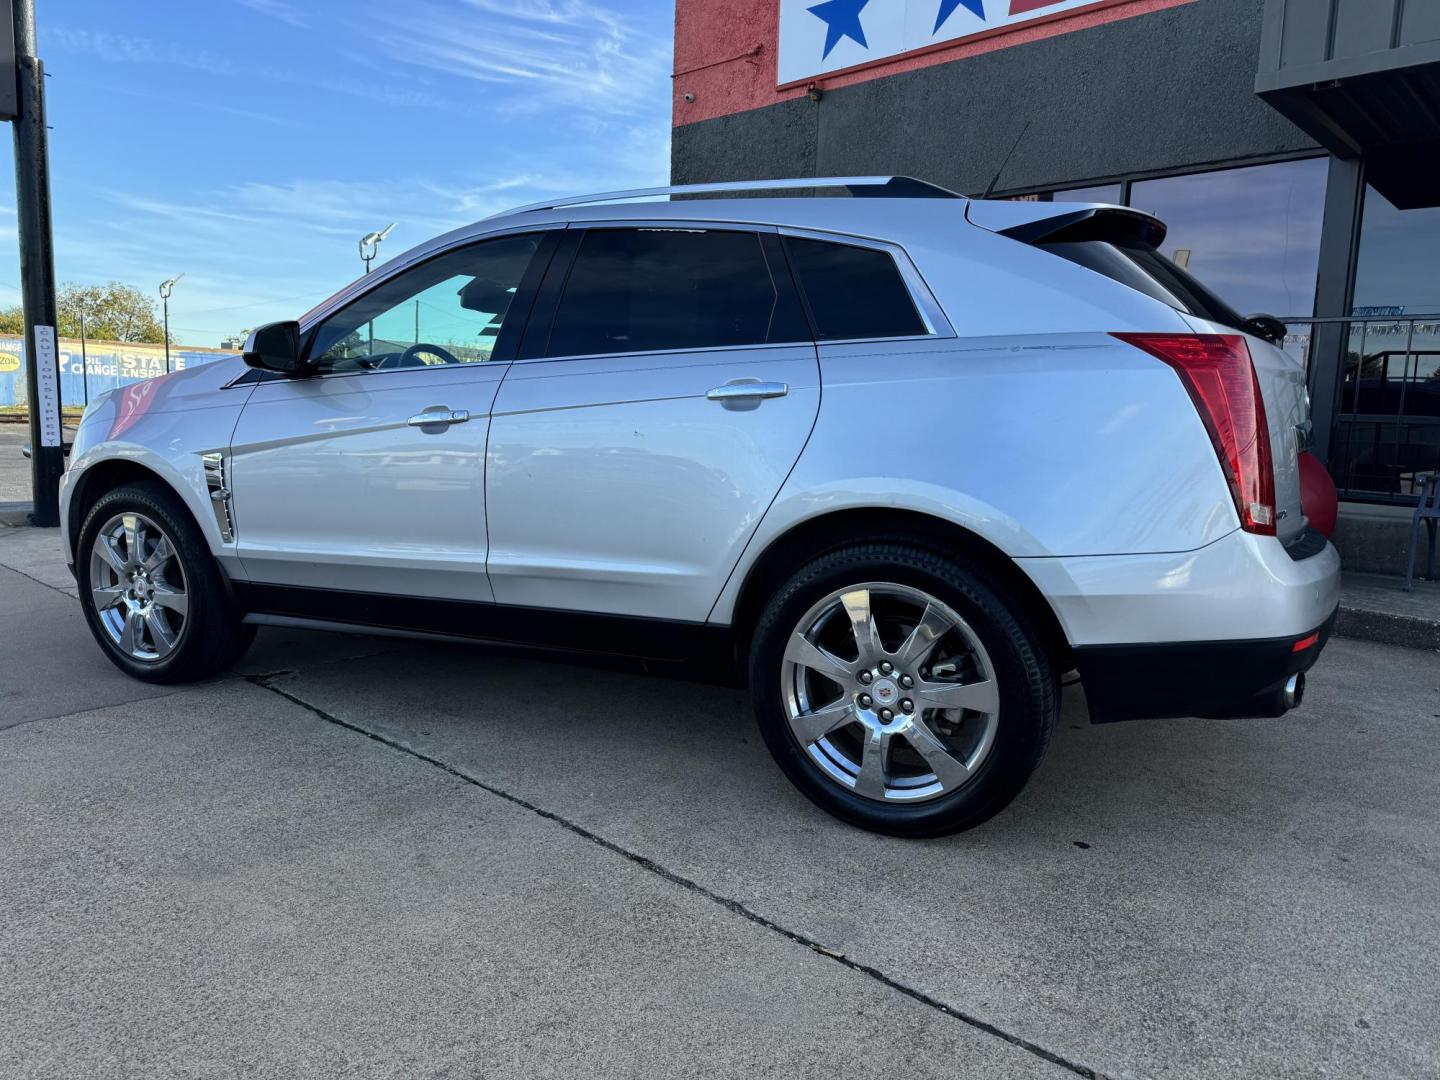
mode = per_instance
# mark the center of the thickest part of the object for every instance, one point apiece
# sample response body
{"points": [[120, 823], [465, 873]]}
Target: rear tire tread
{"points": [[1028, 685]]}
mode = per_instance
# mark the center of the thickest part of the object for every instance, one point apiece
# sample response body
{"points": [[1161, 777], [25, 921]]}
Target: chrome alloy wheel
{"points": [[138, 586], [890, 693]]}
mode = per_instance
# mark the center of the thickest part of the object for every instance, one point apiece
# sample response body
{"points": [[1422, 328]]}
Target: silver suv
{"points": [[899, 458]]}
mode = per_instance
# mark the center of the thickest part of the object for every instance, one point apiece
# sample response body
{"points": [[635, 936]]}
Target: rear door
{"points": [[666, 386]]}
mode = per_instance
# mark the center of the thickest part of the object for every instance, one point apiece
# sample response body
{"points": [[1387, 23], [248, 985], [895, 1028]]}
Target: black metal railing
{"points": [[1382, 405]]}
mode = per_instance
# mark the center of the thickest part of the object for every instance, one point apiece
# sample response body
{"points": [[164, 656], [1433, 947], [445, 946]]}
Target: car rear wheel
{"points": [[152, 594], [900, 691]]}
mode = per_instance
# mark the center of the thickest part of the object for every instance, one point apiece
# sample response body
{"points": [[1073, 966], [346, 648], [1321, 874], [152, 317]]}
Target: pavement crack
{"points": [[90, 709], [37, 581], [730, 904]]}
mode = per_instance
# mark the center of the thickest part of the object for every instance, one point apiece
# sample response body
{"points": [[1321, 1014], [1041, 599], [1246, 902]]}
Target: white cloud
{"points": [[556, 96], [570, 53], [278, 9]]}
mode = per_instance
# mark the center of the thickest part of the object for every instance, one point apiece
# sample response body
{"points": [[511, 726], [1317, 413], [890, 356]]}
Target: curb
{"points": [[1388, 628]]}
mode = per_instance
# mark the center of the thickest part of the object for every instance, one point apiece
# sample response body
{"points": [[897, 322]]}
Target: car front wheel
{"points": [[900, 691], [152, 594]]}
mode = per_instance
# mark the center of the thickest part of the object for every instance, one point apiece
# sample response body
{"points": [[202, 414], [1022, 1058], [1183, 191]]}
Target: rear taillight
{"points": [[1217, 371]]}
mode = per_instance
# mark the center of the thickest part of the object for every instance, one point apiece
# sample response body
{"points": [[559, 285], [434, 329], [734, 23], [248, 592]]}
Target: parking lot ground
{"points": [[14, 467], [373, 858]]}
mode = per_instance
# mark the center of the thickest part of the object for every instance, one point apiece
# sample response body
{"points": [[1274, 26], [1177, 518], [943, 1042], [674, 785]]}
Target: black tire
{"points": [[1026, 684], [212, 636]]}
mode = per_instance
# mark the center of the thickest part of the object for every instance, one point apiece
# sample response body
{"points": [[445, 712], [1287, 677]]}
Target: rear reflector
{"points": [[1305, 643], [1217, 371]]}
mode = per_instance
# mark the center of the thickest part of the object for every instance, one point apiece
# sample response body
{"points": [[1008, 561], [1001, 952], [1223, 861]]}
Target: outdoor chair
{"points": [[1429, 512]]}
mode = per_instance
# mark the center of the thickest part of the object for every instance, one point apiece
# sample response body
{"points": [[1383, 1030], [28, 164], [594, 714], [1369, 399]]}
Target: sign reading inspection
{"points": [[821, 36]]}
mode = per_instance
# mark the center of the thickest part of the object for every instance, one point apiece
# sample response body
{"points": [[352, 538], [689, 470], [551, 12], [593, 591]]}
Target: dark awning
{"points": [[1361, 78]]}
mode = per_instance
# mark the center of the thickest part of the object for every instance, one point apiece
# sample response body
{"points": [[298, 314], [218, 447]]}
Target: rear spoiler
{"points": [[1041, 223]]}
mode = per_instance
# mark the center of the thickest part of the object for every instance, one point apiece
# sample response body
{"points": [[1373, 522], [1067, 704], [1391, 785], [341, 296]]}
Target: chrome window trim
{"points": [[932, 314]]}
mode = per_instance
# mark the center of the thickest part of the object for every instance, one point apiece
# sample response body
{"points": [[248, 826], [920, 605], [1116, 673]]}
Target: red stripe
{"points": [[1019, 7]]}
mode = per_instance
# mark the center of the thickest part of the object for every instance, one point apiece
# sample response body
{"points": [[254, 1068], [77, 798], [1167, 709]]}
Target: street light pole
{"points": [[165, 287], [370, 245], [37, 273]]}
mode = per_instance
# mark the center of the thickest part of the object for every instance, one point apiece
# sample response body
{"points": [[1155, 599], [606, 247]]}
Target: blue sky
{"points": [[249, 143]]}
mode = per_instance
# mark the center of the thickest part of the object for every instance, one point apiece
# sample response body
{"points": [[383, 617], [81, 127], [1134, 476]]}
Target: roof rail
{"points": [[885, 187]]}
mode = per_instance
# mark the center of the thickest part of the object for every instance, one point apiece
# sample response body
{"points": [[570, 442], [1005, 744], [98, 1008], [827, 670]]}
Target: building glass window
{"points": [[1101, 193], [1388, 422], [1251, 234], [1098, 193]]}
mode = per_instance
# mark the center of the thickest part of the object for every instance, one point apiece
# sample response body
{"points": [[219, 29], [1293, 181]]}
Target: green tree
{"points": [[113, 312]]}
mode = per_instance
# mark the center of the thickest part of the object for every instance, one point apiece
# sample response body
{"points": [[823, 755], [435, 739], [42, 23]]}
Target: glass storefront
{"points": [[1250, 234], [1102, 193], [1388, 415], [1253, 235]]}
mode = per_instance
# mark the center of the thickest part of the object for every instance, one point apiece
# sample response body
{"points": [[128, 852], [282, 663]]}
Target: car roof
{"points": [[891, 209]]}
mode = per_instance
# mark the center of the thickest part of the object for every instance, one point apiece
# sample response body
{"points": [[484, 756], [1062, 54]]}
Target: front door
{"points": [[369, 476], [632, 458]]}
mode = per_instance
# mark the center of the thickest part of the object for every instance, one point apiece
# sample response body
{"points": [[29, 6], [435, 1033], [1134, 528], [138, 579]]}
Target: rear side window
{"points": [[1124, 247], [1146, 269], [638, 290], [853, 292]]}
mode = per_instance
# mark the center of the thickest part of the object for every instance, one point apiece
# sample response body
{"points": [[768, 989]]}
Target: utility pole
{"points": [[37, 257], [165, 288]]}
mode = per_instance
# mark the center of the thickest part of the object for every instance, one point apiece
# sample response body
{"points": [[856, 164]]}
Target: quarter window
{"points": [[637, 290], [853, 292], [450, 310]]}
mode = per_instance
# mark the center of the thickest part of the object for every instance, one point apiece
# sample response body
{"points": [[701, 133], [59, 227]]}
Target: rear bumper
{"points": [[1211, 679], [1240, 587]]}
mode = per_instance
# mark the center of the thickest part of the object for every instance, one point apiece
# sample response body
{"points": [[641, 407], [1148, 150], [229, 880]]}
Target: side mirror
{"points": [[1267, 327], [275, 347]]}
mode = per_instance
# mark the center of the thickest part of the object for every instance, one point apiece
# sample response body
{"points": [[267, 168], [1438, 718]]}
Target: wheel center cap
{"points": [[885, 692]]}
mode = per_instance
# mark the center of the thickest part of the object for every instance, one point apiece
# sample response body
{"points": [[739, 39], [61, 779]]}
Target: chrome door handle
{"points": [[438, 416], [742, 389]]}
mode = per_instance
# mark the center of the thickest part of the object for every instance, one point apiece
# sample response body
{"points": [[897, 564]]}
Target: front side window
{"points": [[642, 290], [853, 292], [450, 310]]}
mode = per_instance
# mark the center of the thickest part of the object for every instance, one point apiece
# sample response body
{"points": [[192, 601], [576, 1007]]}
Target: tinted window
{"points": [[449, 310], [635, 290], [1143, 268], [853, 292]]}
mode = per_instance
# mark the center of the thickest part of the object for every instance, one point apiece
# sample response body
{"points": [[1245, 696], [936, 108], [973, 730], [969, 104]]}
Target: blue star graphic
{"points": [[842, 20], [947, 8]]}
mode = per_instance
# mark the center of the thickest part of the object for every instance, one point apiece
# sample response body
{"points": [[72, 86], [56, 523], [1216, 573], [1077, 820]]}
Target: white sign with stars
{"points": [[821, 36]]}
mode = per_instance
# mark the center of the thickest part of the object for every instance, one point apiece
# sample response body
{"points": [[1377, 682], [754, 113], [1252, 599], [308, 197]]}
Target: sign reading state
{"points": [[816, 38]]}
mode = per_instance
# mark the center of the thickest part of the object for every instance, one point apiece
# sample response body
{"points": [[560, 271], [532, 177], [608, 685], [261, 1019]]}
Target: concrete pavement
{"points": [[14, 469], [376, 858]]}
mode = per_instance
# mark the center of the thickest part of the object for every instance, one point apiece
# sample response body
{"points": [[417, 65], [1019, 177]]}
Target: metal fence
{"points": [[93, 367], [1380, 406]]}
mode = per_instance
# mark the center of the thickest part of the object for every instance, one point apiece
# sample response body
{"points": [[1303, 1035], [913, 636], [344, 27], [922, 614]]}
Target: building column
{"points": [[1334, 287]]}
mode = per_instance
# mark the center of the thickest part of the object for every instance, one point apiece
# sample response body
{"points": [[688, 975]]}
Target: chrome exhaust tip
{"points": [[1294, 692]]}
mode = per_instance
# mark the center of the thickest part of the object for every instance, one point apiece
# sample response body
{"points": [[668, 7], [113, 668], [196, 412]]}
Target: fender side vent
{"points": [[219, 495]]}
